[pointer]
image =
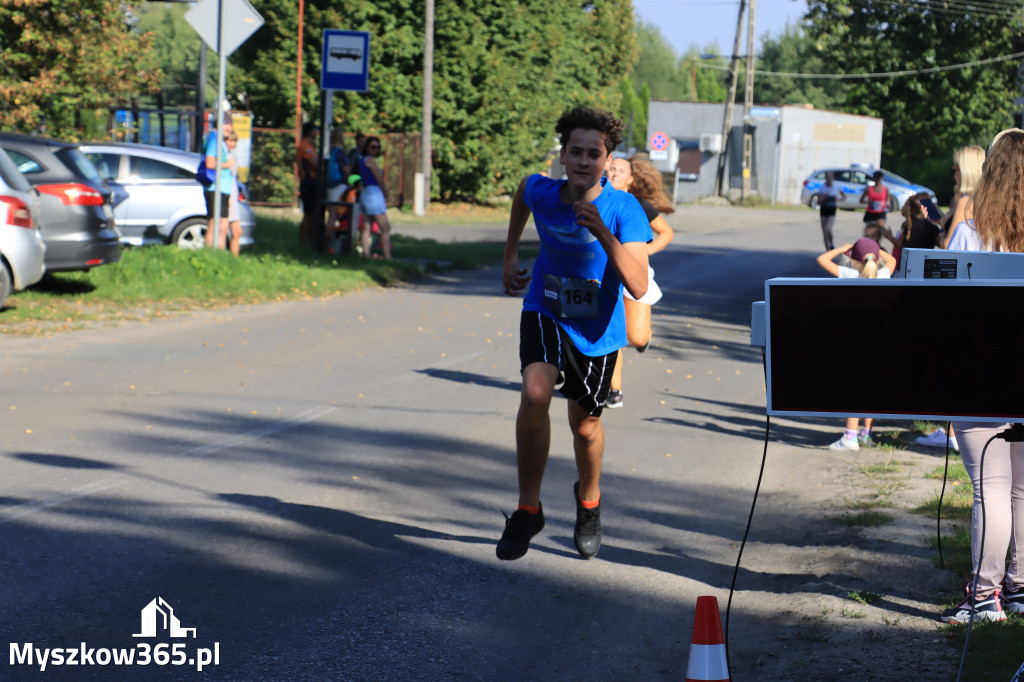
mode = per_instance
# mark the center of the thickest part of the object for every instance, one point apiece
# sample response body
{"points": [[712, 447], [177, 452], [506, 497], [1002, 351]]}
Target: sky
{"points": [[700, 22]]}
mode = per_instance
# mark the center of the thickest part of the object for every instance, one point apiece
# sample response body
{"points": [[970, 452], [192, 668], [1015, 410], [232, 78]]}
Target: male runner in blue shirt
{"points": [[593, 241]]}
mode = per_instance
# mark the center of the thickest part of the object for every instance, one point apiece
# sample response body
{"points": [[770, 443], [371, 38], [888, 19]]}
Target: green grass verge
{"points": [[995, 652], [161, 280]]}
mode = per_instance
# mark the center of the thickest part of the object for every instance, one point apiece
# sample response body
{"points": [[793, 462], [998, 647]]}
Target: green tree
{"points": [[175, 46], [927, 116], [795, 52], [62, 58], [658, 65], [503, 71]]}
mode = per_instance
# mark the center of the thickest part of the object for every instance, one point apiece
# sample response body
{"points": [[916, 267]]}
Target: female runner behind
{"points": [[876, 196], [865, 258], [641, 179]]}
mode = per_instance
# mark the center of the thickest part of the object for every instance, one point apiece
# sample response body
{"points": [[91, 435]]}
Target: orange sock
{"points": [[532, 510], [591, 505]]}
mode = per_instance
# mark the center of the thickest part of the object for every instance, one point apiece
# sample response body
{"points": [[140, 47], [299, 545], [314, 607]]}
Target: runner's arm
{"points": [[513, 279], [662, 235], [629, 259]]}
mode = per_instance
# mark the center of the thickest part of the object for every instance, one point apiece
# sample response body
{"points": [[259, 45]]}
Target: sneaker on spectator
{"points": [[845, 443], [1013, 601], [865, 440], [986, 608], [937, 439]]}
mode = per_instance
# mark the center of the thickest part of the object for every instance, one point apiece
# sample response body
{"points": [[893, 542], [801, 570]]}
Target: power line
{"points": [[958, 8], [883, 74]]}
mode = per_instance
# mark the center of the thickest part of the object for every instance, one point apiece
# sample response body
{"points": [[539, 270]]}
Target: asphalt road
{"points": [[316, 487]]}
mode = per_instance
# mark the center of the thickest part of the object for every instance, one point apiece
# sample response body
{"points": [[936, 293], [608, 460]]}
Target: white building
{"points": [[789, 143]]}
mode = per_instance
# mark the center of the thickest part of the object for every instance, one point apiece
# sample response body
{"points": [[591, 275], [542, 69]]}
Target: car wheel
{"points": [[894, 204], [6, 284], [813, 203], [190, 234]]}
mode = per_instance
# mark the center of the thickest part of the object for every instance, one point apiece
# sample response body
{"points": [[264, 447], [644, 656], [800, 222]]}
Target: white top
{"points": [[853, 273], [830, 194], [965, 238]]}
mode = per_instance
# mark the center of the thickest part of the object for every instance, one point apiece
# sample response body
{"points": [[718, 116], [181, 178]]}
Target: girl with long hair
{"points": [[641, 179], [994, 223]]}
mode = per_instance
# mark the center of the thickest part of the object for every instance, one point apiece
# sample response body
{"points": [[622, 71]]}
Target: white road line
{"points": [[24, 509], [20, 510]]}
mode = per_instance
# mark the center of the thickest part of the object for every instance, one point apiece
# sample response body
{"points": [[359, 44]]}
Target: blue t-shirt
{"points": [[227, 180], [572, 258]]}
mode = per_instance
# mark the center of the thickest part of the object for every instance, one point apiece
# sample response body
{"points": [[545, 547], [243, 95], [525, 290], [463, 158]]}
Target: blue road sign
{"points": [[345, 62]]}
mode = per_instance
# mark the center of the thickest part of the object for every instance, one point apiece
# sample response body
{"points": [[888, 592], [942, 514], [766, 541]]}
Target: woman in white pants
{"points": [[999, 586]]}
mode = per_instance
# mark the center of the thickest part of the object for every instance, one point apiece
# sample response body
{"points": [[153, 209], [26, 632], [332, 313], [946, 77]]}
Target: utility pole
{"points": [[721, 182], [426, 147], [748, 103]]}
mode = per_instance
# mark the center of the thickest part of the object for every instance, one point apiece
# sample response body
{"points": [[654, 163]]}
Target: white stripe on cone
{"points": [[707, 662]]}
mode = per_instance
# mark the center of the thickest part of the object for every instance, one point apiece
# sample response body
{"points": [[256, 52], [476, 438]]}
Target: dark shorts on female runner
{"points": [[586, 380], [874, 216]]}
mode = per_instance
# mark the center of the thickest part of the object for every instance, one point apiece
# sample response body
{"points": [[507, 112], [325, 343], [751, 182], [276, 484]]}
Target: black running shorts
{"points": [[584, 379]]}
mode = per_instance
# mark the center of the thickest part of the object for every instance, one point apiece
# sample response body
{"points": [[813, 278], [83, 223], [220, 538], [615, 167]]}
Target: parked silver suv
{"points": [[165, 203]]}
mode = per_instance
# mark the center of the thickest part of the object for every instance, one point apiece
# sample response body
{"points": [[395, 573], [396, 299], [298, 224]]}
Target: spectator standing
{"points": [[996, 206], [307, 165], [338, 171], [223, 183], [234, 214], [373, 201], [967, 167]]}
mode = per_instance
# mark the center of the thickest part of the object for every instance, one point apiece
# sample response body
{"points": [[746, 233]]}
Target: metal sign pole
{"points": [[219, 121]]}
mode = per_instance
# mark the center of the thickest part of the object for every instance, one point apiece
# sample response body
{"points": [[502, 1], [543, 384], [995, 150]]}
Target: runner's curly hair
{"points": [[588, 118], [997, 203], [647, 184]]}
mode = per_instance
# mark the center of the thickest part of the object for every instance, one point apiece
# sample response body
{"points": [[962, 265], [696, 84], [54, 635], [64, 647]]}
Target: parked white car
{"points": [[165, 203], [22, 251]]}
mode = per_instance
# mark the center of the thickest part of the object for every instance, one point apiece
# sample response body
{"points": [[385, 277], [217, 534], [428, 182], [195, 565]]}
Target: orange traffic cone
{"points": [[707, 646]]}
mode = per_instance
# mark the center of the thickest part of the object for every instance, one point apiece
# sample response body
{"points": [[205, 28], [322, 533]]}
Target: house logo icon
{"points": [[158, 615]]}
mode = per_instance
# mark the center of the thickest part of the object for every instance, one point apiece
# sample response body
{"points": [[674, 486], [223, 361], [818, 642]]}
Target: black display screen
{"points": [[940, 348]]}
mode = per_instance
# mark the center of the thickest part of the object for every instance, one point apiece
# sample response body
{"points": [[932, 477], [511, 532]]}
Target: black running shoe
{"points": [[519, 528], [614, 399], [587, 534]]}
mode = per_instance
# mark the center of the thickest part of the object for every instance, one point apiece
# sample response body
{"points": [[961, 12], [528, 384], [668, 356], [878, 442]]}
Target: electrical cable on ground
{"points": [[746, 532]]}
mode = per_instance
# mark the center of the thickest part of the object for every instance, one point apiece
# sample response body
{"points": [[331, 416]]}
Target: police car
{"points": [[853, 180]]}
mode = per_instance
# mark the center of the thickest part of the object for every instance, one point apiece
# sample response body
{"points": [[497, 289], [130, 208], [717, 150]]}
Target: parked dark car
{"points": [[76, 215], [165, 203]]}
